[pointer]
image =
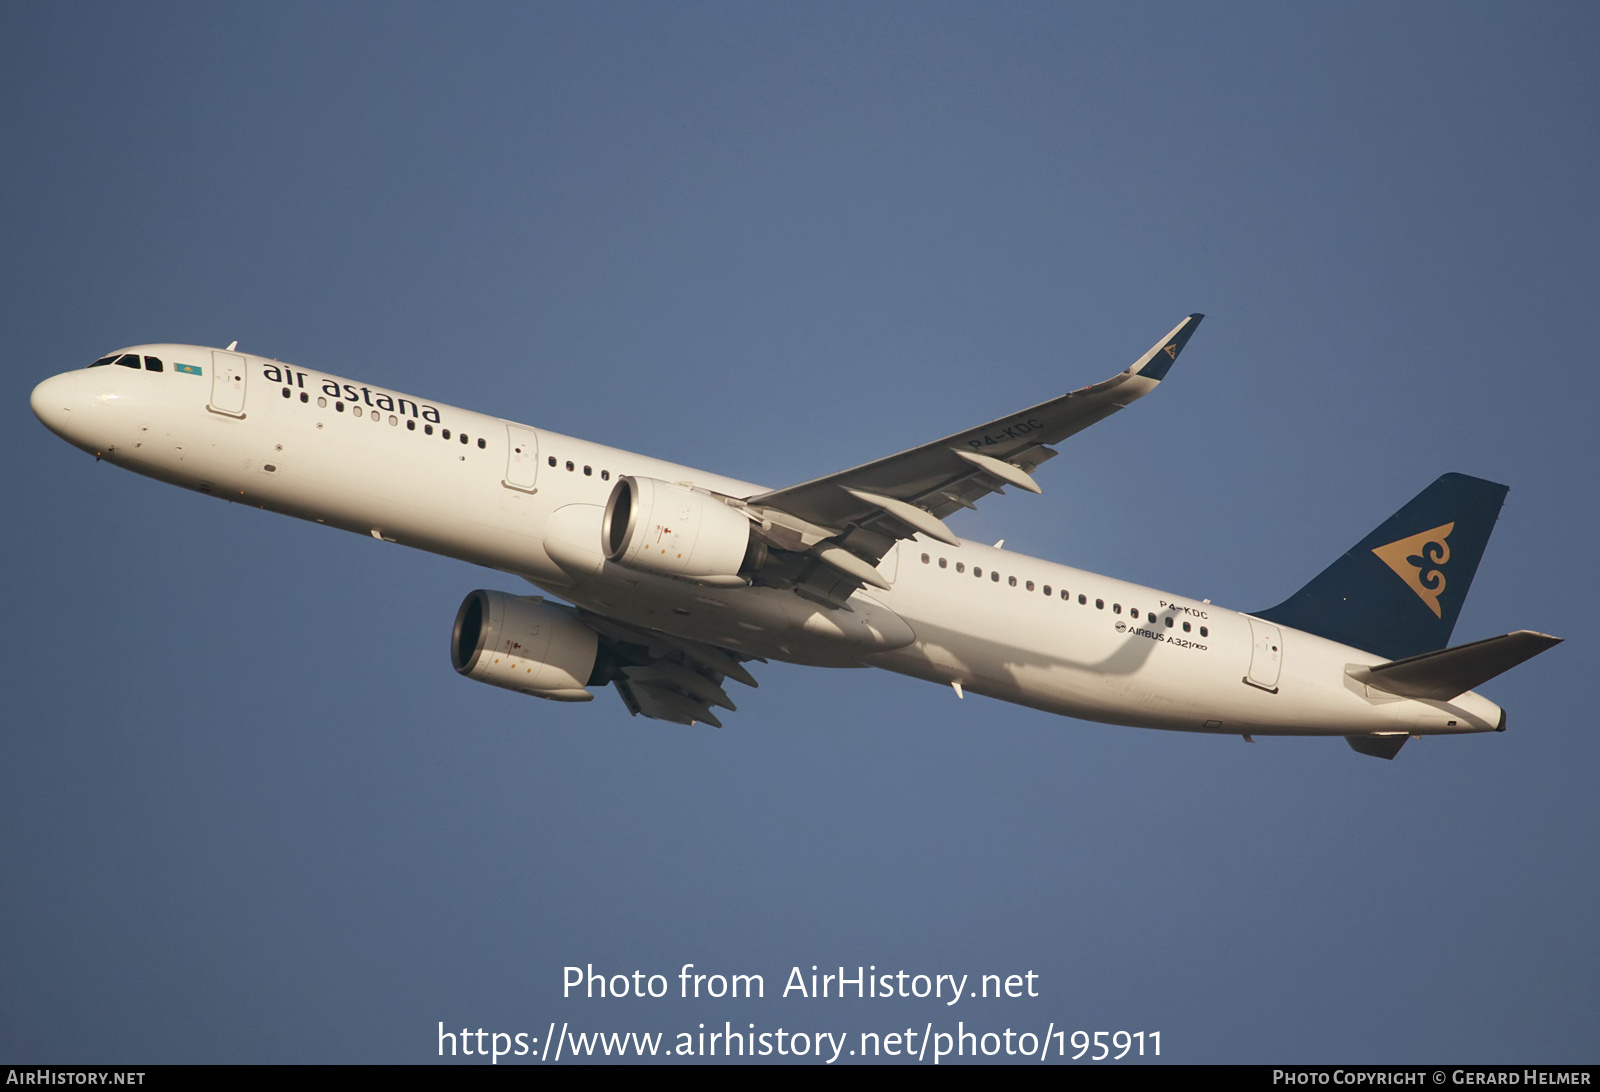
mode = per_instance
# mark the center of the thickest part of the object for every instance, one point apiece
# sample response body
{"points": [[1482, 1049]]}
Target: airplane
{"points": [[665, 581]]}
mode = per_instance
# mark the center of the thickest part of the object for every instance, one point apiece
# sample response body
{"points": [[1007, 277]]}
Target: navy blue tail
{"points": [[1398, 591]]}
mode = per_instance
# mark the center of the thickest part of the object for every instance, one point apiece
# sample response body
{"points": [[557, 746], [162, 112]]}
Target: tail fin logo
{"points": [[1419, 561], [1172, 351]]}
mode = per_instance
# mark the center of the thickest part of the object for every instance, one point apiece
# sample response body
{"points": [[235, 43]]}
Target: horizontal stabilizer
{"points": [[1386, 746], [1450, 672]]}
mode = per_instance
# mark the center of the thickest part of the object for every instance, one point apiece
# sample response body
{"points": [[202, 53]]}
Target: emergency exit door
{"points": [[522, 459], [1266, 655]]}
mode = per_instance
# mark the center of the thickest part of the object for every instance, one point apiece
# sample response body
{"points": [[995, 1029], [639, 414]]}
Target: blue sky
{"points": [[250, 814]]}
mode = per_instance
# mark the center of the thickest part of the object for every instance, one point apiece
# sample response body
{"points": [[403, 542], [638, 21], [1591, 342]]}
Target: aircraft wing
{"points": [[849, 520], [665, 677]]}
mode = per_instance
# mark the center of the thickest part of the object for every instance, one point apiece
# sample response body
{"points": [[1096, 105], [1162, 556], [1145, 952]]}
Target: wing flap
{"points": [[660, 645], [666, 677], [660, 702]]}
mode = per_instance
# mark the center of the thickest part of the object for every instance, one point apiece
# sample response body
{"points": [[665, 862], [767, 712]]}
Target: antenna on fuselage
{"points": [[232, 345]]}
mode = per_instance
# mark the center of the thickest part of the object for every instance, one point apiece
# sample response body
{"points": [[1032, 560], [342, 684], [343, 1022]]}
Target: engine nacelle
{"points": [[524, 644], [676, 531]]}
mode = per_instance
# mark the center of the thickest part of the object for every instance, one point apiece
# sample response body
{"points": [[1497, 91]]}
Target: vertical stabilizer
{"points": [[1399, 591]]}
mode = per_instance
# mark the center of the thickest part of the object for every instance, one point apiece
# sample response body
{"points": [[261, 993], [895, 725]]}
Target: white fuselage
{"points": [[529, 501]]}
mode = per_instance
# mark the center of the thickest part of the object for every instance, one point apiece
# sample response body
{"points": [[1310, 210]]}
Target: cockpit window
{"points": [[103, 361], [128, 360], [151, 364]]}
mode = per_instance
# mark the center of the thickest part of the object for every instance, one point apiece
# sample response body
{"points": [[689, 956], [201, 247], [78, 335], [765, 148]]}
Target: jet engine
{"points": [[677, 531], [525, 644]]}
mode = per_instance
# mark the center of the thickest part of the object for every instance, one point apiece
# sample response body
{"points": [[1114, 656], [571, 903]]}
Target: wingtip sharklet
{"points": [[1159, 360]]}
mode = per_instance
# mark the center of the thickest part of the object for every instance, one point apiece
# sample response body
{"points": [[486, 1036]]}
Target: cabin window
{"points": [[552, 460], [1151, 618], [1116, 608], [482, 443], [377, 418], [1186, 627], [427, 430], [322, 403], [961, 566], [1099, 604], [151, 364], [994, 575], [1135, 612], [356, 410], [1030, 586], [1082, 599], [977, 572], [926, 559], [304, 397], [944, 563], [464, 438], [1203, 632], [339, 406], [605, 475], [1169, 623], [588, 471], [1046, 590], [287, 392], [393, 420], [570, 466], [445, 433], [411, 426]]}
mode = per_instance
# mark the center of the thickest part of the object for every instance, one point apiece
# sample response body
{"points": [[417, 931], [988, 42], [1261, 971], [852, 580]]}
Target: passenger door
{"points": [[228, 373]]}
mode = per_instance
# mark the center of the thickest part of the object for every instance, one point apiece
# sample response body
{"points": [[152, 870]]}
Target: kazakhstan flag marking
{"points": [[191, 369]]}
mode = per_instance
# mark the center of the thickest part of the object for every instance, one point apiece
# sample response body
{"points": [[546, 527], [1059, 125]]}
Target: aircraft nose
{"points": [[52, 403]]}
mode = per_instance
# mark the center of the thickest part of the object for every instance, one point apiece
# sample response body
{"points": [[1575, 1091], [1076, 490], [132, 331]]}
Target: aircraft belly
{"points": [[758, 621]]}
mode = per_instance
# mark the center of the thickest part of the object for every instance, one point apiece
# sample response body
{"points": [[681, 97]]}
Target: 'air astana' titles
{"points": [[390, 403]]}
